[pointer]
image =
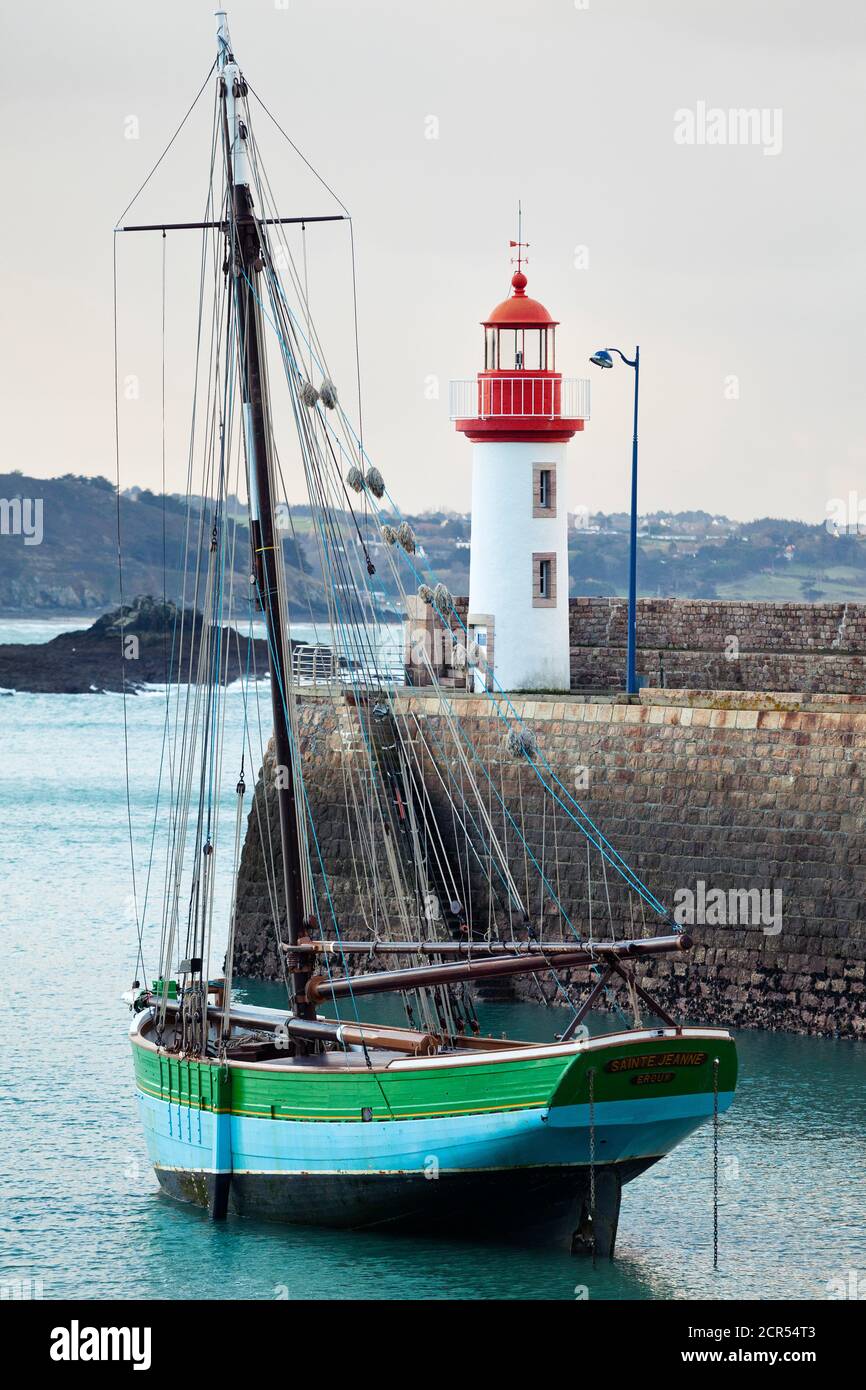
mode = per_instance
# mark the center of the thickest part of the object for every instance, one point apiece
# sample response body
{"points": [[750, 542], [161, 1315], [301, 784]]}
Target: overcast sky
{"points": [[737, 267]]}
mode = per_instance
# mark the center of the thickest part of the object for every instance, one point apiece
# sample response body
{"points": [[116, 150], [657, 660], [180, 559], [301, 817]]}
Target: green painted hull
{"points": [[415, 1091], [494, 1142]]}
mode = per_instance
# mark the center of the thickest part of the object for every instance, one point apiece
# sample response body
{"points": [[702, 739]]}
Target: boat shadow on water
{"points": [[311, 1261]]}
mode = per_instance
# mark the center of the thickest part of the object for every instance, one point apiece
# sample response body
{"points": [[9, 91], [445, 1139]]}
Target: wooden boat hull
{"points": [[526, 1205], [494, 1142]]}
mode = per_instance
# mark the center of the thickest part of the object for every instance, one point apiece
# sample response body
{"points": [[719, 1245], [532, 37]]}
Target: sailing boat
{"points": [[305, 1113]]}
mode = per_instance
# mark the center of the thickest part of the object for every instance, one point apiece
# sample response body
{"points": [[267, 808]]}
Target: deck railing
{"points": [[539, 397]]}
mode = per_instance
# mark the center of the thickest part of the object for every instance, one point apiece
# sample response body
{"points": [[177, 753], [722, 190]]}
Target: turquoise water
{"points": [[80, 1207]]}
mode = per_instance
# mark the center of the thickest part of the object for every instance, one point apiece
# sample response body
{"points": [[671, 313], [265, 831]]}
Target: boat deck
{"points": [[341, 1059]]}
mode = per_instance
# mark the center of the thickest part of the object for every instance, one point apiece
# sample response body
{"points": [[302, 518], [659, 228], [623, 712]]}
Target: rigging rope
{"points": [[374, 780], [189, 112], [139, 926]]}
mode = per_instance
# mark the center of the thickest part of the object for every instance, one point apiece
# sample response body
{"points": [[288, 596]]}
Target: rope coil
{"points": [[522, 743], [375, 482]]}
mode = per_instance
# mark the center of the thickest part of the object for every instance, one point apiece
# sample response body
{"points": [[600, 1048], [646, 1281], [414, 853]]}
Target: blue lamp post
{"points": [[603, 358]]}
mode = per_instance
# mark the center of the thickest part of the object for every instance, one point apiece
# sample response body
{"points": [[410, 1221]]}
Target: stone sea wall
{"points": [[683, 644], [730, 789], [715, 644]]}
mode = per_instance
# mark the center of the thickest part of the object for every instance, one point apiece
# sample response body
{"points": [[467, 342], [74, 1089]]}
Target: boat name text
{"points": [[657, 1059]]}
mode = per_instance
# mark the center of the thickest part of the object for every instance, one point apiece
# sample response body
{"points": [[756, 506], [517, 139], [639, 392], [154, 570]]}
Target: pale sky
{"points": [[739, 272]]}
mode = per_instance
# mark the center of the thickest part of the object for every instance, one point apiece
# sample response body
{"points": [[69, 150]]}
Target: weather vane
{"points": [[521, 245]]}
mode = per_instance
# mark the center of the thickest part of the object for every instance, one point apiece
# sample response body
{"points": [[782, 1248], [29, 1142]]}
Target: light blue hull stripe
{"points": [[183, 1138]]}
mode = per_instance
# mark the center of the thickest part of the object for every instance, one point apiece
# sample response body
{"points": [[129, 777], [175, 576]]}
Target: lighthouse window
{"points": [[490, 356], [507, 349], [543, 491], [519, 349], [544, 580]]}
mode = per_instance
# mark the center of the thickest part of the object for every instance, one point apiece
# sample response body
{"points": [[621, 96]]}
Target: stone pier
{"points": [[732, 790]]}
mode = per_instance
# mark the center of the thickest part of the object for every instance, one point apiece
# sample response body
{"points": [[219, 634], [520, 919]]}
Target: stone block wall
{"points": [[738, 791], [688, 644]]}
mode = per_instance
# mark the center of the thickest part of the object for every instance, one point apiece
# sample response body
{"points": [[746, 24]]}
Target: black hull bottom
{"points": [[548, 1206]]}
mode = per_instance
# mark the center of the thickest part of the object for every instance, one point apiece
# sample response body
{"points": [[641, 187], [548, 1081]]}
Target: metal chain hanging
{"points": [[715, 1163], [592, 1212]]}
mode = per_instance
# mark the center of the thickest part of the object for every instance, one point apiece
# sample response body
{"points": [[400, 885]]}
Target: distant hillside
{"points": [[74, 566], [696, 555], [684, 554]]}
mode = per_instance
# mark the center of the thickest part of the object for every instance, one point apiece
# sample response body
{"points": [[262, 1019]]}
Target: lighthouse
{"points": [[519, 415]]}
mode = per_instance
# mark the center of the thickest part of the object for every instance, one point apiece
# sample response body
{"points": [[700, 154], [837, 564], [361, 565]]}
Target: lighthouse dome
{"points": [[518, 310]]}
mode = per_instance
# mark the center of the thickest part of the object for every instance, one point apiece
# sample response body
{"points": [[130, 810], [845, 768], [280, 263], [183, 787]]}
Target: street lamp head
{"points": [[602, 358]]}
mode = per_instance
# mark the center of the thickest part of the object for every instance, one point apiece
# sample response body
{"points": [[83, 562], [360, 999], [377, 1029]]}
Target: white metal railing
{"points": [[317, 664], [313, 664], [495, 397]]}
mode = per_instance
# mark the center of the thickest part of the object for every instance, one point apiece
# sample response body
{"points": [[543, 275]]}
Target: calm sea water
{"points": [[32, 630], [80, 1207]]}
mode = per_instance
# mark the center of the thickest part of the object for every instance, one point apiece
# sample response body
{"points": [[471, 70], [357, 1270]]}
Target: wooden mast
{"points": [[245, 264]]}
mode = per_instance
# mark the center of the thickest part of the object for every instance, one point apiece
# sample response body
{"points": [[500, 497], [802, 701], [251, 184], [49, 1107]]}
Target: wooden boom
{"points": [[485, 966]]}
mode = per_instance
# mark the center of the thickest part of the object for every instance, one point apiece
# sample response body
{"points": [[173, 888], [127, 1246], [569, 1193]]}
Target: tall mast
{"points": [[245, 263]]}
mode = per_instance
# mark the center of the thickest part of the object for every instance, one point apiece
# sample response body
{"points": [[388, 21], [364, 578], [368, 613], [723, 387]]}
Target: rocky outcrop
{"points": [[139, 644]]}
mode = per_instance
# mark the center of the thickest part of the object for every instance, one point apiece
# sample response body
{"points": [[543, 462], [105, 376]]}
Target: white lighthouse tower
{"points": [[520, 414]]}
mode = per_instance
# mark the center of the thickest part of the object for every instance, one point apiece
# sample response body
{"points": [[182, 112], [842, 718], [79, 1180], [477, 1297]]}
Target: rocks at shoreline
{"points": [[133, 646]]}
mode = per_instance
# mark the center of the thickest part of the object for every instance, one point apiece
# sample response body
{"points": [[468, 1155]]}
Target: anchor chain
{"points": [[591, 1079], [715, 1163]]}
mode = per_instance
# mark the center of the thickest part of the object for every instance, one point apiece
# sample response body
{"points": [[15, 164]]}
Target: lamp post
{"points": [[603, 358]]}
